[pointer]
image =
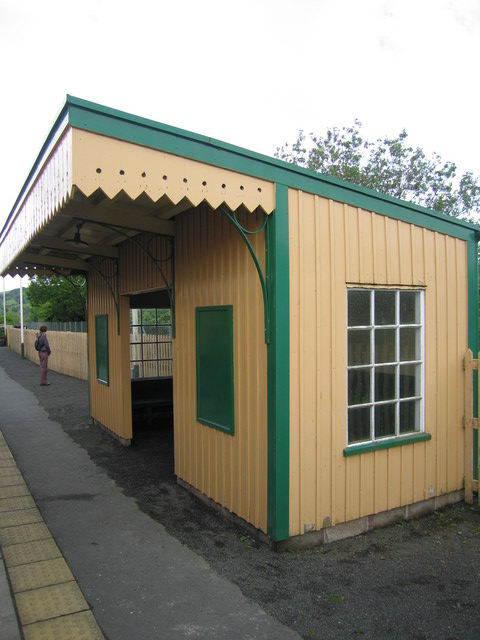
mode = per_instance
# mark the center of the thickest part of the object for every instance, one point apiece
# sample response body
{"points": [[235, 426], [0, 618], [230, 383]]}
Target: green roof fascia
{"points": [[103, 120], [149, 133], [118, 124]]}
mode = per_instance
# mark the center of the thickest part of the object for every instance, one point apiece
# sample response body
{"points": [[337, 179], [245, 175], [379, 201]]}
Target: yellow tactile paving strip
{"points": [[49, 603]]}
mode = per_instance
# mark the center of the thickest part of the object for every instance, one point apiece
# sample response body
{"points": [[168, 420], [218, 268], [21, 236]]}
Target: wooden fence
{"points": [[471, 426], [151, 357], [69, 353], [69, 350]]}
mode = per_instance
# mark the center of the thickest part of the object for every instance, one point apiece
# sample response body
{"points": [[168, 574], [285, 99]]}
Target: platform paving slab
{"points": [[9, 627], [38, 593]]}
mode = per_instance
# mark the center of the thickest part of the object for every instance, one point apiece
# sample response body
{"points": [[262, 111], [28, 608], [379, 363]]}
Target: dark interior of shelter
{"points": [[151, 374]]}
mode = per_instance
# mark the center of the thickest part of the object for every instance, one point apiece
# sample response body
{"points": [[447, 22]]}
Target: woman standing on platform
{"points": [[43, 354]]}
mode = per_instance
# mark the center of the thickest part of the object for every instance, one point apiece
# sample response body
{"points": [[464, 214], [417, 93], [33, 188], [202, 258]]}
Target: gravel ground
{"points": [[417, 579]]}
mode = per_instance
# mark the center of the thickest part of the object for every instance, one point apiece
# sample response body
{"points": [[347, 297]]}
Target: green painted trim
{"points": [[103, 120], [124, 126], [88, 365], [385, 444], [215, 367], [475, 454], [101, 349], [472, 275], [278, 367], [169, 288], [263, 284], [473, 337]]}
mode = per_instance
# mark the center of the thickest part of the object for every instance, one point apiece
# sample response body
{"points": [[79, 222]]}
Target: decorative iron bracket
{"points": [[105, 278], [263, 282], [74, 287], [115, 292], [155, 261]]}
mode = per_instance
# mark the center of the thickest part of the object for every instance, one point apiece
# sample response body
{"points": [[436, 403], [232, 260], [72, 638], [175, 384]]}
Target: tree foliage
{"points": [[12, 308], [56, 299], [389, 166]]}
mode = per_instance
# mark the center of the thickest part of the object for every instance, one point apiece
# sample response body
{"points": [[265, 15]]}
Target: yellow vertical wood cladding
{"points": [[137, 270], [213, 267], [110, 404], [333, 245]]}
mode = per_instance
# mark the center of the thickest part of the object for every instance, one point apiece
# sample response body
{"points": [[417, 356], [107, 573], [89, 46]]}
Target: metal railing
{"points": [[74, 327]]}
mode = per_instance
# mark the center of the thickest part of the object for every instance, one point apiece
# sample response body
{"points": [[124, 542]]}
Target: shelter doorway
{"points": [[151, 369]]}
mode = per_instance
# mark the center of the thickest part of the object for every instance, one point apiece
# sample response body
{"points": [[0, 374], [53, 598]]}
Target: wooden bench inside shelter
{"points": [[152, 397]]}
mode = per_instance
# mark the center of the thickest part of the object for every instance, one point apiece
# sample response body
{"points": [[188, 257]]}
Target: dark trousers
{"points": [[43, 355]]}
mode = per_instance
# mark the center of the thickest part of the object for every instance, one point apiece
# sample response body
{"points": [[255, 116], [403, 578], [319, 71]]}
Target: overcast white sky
{"points": [[251, 73]]}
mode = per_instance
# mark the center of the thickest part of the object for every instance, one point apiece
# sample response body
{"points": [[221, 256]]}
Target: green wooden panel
{"points": [[473, 335], [215, 395], [101, 348], [386, 444], [278, 355]]}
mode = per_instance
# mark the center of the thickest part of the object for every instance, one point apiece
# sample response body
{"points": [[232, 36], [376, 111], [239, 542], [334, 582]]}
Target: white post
{"points": [[4, 308], [22, 344], [134, 338]]}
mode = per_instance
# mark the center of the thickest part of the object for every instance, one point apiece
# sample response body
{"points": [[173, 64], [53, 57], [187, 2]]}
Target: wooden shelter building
{"points": [[318, 328]]}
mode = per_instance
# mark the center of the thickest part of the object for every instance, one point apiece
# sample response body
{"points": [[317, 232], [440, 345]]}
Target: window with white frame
{"points": [[385, 364], [150, 343]]}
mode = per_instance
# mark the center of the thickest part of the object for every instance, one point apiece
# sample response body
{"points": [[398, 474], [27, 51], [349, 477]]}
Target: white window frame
{"points": [[372, 366], [160, 359]]}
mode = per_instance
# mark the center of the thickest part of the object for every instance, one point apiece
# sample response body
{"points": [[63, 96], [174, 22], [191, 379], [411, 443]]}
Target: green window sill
{"points": [[354, 450]]}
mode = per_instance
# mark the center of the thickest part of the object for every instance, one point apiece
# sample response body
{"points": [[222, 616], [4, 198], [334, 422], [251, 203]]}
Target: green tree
{"points": [[55, 299], [12, 308], [389, 166]]}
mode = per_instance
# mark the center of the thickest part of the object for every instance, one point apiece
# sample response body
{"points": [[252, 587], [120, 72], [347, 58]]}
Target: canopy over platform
{"points": [[104, 175]]}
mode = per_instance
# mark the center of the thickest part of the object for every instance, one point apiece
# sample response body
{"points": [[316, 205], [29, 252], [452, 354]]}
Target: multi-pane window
{"points": [[385, 364], [150, 343]]}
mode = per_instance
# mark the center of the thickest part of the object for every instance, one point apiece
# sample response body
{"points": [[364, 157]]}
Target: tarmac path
{"points": [[140, 581], [153, 561]]}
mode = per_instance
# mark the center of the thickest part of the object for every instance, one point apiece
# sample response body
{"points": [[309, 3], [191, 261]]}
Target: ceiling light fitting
{"points": [[77, 240]]}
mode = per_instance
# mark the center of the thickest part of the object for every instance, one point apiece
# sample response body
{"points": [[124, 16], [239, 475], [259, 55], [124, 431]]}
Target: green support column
{"points": [[473, 328], [278, 368]]}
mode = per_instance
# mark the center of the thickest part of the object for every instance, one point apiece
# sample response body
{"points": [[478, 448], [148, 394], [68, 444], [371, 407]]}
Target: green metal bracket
{"points": [[74, 287], [105, 278], [155, 261], [244, 233]]}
